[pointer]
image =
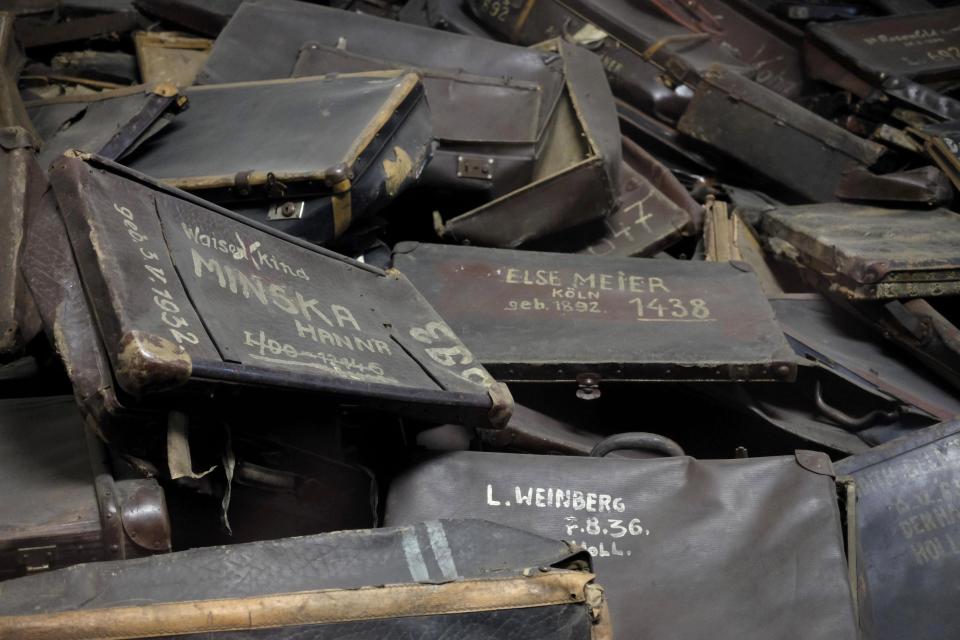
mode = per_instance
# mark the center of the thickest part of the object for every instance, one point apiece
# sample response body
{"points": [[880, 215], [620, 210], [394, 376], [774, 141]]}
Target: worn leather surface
{"points": [[427, 552], [724, 550]]}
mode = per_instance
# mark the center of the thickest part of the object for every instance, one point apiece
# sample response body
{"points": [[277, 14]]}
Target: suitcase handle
{"points": [[637, 440]]}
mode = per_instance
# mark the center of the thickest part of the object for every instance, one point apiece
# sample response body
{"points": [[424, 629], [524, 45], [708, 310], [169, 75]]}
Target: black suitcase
{"points": [[306, 156], [908, 519], [532, 316], [167, 276], [687, 549], [451, 578], [62, 504]]}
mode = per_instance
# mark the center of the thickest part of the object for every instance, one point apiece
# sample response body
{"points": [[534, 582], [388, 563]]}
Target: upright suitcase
{"points": [[451, 578], [62, 504], [908, 521], [756, 544]]}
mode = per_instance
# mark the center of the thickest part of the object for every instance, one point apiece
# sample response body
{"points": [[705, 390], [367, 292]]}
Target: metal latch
{"points": [[474, 167], [286, 211], [588, 386], [36, 558]]}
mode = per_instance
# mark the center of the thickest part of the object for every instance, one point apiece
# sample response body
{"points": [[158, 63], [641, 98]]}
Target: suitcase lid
{"points": [[555, 317], [186, 293], [870, 252], [293, 134], [908, 501]]}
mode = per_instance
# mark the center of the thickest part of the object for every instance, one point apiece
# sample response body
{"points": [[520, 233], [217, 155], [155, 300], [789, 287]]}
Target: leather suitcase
{"points": [[550, 317], [564, 141], [167, 278], [451, 578], [62, 503], [308, 156], [869, 253], [755, 543], [908, 500]]}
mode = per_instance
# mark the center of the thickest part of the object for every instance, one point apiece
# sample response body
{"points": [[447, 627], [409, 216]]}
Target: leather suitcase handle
{"points": [[637, 440]]}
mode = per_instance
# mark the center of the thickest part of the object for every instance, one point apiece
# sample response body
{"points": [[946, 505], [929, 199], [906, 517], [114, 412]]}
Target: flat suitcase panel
{"points": [[742, 119], [355, 140], [453, 578], [908, 501], [755, 543], [921, 46], [869, 253], [544, 316], [184, 293]]}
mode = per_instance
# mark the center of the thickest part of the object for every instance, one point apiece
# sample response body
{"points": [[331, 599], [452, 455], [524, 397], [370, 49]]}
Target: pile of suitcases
{"points": [[480, 319]]}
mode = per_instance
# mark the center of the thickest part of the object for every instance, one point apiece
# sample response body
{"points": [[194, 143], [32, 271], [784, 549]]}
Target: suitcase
{"points": [[21, 186], [918, 46], [755, 543], [451, 578], [908, 498], [63, 505], [476, 148], [110, 123], [167, 276], [531, 316], [743, 120], [868, 253], [307, 156], [682, 39]]}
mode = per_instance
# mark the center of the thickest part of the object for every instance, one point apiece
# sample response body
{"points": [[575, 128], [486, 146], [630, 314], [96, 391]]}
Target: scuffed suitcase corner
{"points": [[501, 404], [148, 363]]}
